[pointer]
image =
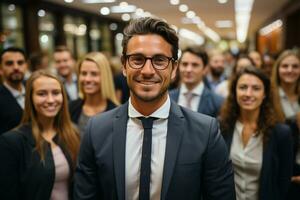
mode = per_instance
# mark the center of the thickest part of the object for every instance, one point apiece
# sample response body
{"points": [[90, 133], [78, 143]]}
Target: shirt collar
{"points": [[196, 91], [161, 113], [14, 92], [281, 93], [74, 78]]}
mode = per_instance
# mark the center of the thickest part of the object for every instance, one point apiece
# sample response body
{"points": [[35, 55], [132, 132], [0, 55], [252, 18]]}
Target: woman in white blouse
{"points": [[286, 88], [260, 147]]}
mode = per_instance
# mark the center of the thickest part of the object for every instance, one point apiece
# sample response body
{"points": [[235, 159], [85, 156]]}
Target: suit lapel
{"points": [[174, 135], [203, 104], [119, 142]]}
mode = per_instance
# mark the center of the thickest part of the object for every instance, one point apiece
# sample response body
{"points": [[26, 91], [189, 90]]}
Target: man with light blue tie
{"points": [[193, 92], [151, 148]]}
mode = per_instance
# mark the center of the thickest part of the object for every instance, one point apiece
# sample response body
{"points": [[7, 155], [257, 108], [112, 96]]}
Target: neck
{"points": [[16, 86], [192, 86], [47, 124], [146, 108], [249, 117], [288, 88], [94, 100]]}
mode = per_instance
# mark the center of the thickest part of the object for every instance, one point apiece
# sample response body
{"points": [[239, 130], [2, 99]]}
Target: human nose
{"points": [[249, 91], [148, 68], [50, 98]]}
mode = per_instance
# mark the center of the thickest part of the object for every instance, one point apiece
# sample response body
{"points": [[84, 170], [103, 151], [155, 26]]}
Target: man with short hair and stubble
{"points": [[216, 69], [193, 93], [13, 66], [65, 68], [150, 148]]}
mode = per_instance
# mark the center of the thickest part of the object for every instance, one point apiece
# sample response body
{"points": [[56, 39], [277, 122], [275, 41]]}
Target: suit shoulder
{"points": [[13, 138], [173, 93], [281, 131], [196, 117]]}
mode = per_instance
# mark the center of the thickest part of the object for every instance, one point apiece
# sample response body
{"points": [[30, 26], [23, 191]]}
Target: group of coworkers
{"points": [[249, 152]]}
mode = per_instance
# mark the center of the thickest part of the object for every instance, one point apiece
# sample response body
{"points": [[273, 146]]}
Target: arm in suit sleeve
{"points": [[218, 179], [85, 179], [285, 155], [9, 170]]}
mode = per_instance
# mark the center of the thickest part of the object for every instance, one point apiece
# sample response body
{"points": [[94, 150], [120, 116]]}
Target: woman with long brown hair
{"points": [[97, 93], [260, 147], [285, 81], [38, 157]]}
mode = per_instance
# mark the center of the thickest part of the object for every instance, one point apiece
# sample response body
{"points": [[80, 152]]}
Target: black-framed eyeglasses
{"points": [[137, 61]]}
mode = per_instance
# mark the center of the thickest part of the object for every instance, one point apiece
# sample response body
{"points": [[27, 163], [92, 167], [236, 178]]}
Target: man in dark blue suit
{"points": [[193, 93], [12, 69], [151, 148]]}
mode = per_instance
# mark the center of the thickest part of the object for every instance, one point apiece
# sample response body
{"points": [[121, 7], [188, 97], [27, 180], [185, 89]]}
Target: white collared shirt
{"points": [[197, 92], [71, 88], [247, 163], [19, 96], [134, 142], [290, 109]]}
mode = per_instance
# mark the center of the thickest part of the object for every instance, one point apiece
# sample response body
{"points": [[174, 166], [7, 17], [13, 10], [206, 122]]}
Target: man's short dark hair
{"points": [[201, 53], [13, 49], [62, 48], [148, 25]]}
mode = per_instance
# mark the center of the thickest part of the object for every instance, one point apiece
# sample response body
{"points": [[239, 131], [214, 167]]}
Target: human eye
{"points": [[160, 60], [56, 92], [242, 87], [137, 59], [41, 93], [9, 63]]}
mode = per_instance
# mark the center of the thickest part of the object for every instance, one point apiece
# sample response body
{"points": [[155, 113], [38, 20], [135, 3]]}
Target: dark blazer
{"points": [[277, 164], [75, 108], [196, 158], [210, 103], [23, 176], [11, 112]]}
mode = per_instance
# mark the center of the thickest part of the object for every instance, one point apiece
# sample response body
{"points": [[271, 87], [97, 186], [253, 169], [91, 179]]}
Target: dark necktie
{"points": [[144, 191]]}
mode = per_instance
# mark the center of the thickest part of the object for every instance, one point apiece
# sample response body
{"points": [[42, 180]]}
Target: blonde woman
{"points": [[38, 157], [97, 93], [286, 88]]}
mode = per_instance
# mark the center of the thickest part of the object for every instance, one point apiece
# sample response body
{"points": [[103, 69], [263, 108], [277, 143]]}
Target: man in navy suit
{"points": [[193, 93], [151, 148], [12, 69]]}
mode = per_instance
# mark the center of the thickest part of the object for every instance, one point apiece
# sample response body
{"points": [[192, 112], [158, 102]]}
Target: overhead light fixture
{"points": [[183, 8], [174, 2], [69, 1], [209, 33], [190, 35], [98, 1], [223, 24], [190, 14], [222, 1], [243, 10], [125, 17], [11, 7], [104, 11], [123, 9], [271, 27]]}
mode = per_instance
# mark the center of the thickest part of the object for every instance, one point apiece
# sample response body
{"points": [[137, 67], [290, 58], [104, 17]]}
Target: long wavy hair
{"points": [[67, 134], [107, 85], [275, 82], [230, 111]]}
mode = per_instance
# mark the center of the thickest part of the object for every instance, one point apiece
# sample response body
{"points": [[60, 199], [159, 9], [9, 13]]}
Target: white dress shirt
{"points": [[197, 92], [290, 109], [247, 163], [134, 142], [19, 96]]}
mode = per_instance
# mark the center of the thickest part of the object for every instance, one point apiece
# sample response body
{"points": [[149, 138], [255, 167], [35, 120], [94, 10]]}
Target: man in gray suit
{"points": [[182, 156], [193, 92]]}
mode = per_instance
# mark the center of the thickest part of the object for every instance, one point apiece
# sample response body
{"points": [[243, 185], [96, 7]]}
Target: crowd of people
{"points": [[197, 125]]}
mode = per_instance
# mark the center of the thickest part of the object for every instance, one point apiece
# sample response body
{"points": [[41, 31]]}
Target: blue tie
{"points": [[144, 192]]}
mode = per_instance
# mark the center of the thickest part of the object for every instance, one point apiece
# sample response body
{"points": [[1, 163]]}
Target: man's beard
{"points": [[216, 72], [16, 78]]}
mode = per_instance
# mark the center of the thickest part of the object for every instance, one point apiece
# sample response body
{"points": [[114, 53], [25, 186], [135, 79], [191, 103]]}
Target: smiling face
{"points": [[191, 69], [47, 97], [250, 93], [148, 84], [289, 70], [64, 63], [89, 78]]}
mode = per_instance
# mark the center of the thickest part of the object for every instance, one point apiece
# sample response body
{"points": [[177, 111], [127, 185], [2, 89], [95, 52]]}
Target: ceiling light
{"points": [[222, 1], [187, 34], [41, 13], [69, 1], [119, 36], [183, 8], [125, 17], [190, 14], [223, 24], [123, 4], [44, 38], [113, 26], [174, 2], [123, 9], [104, 11], [11, 7], [139, 12], [271, 27], [98, 1], [242, 18]]}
